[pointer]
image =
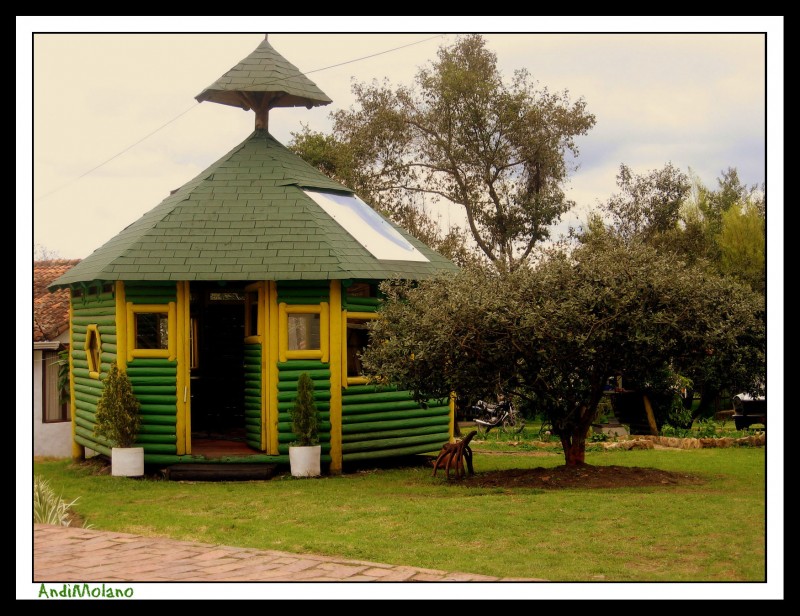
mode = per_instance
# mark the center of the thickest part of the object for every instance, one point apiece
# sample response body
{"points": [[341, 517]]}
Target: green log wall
{"points": [[299, 293], [98, 307], [252, 394], [154, 292], [381, 422], [155, 380], [288, 374]]}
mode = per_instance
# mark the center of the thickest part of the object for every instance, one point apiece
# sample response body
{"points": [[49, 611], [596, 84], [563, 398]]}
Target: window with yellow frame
{"points": [[92, 348], [303, 331], [152, 331], [355, 329]]}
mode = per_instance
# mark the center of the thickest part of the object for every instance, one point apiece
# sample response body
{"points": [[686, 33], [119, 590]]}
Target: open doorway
{"points": [[217, 368]]}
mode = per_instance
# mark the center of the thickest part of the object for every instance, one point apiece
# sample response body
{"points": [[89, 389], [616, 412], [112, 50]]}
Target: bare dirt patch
{"points": [[585, 476]]}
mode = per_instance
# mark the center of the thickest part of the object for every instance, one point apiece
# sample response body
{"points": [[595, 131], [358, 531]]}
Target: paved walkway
{"points": [[66, 554]]}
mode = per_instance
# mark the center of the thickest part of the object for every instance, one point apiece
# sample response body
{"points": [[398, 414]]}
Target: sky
{"points": [[107, 147], [107, 123]]}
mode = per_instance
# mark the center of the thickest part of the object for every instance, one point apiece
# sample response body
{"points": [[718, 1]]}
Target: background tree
{"points": [[647, 205], [553, 335], [465, 135], [43, 253], [721, 230], [742, 244]]}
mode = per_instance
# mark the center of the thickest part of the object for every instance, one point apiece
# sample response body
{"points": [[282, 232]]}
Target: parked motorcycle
{"points": [[502, 415]]}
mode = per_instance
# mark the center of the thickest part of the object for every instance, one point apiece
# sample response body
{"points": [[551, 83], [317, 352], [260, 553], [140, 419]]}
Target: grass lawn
{"points": [[714, 532]]}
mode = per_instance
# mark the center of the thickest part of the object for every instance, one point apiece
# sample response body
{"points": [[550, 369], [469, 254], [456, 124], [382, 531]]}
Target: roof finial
{"points": [[262, 81]]}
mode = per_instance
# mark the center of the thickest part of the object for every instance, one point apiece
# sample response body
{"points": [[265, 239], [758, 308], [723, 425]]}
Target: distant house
{"points": [[52, 428], [216, 301]]}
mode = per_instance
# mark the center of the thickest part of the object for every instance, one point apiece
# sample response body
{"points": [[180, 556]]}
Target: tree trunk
{"points": [[708, 397], [574, 441], [574, 449]]}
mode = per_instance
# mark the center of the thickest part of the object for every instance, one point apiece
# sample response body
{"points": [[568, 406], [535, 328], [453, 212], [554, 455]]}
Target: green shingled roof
{"points": [[264, 71], [246, 217]]}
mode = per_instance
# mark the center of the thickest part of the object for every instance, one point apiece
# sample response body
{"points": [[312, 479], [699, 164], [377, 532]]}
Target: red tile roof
{"points": [[50, 310]]}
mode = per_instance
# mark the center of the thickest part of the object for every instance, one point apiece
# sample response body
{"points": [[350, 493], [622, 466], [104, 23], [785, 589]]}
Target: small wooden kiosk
{"points": [[216, 300]]}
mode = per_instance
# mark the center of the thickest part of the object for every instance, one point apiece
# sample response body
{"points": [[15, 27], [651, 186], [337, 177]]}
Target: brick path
{"points": [[66, 554]]}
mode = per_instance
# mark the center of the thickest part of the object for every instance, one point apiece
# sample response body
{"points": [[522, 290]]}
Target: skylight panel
{"points": [[367, 227]]}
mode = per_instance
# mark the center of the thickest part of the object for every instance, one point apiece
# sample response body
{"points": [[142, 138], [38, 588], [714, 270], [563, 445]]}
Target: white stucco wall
{"points": [[49, 439]]}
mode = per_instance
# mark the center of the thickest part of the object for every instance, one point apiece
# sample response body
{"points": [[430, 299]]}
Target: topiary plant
{"points": [[304, 413], [117, 417]]}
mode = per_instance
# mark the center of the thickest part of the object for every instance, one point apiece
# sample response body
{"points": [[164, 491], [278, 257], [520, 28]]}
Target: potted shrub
{"points": [[117, 419], [304, 454]]}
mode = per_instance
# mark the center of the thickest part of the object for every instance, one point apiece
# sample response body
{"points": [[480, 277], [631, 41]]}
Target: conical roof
{"points": [[247, 217], [264, 79]]}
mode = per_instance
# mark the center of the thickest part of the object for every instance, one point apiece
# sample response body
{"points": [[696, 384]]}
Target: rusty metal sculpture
{"points": [[454, 455]]}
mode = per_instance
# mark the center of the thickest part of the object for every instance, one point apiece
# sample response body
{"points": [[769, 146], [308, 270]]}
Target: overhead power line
{"points": [[184, 112]]}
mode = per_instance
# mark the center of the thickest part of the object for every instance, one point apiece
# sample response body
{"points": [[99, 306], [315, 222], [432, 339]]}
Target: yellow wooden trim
{"points": [[172, 331], [93, 374], [263, 308], [452, 424], [343, 349], [324, 331], [121, 319], [170, 352], [78, 450], [283, 332], [130, 330], [303, 354], [335, 320], [367, 316], [187, 373], [272, 368], [258, 336], [302, 308], [179, 377], [180, 374], [150, 308], [322, 353], [151, 353]]}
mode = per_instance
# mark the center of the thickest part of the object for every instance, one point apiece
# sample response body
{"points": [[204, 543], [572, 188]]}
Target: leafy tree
{"points": [[732, 223], [117, 417], [730, 193], [742, 243], [717, 229], [463, 134], [553, 335], [647, 205]]}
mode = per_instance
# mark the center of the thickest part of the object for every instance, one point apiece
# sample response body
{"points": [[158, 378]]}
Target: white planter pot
{"points": [[304, 461], [127, 461]]}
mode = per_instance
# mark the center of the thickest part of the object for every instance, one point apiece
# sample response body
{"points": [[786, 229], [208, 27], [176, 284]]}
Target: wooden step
{"points": [[221, 472]]}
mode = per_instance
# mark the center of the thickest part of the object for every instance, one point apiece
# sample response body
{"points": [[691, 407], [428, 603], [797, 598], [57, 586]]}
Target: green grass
{"points": [[713, 532]]}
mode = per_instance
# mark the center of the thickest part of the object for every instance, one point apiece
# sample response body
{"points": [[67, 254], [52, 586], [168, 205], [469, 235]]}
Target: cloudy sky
{"points": [[107, 124], [109, 141]]}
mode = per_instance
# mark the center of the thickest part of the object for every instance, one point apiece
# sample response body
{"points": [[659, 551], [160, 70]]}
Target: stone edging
{"points": [[649, 442]]}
